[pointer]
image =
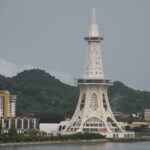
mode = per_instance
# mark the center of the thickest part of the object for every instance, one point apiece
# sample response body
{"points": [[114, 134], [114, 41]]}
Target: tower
{"points": [[93, 112]]}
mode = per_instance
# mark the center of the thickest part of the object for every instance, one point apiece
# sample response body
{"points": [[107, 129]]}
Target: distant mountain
{"points": [[125, 99], [38, 91]]}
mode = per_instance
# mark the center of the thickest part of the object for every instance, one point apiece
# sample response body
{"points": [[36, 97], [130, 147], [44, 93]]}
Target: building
{"points": [[93, 112], [53, 128], [123, 124], [8, 117], [7, 104], [21, 124], [118, 114], [138, 124], [49, 127], [147, 114]]}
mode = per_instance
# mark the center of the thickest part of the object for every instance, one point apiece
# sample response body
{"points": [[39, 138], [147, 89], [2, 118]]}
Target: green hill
{"points": [[37, 91]]}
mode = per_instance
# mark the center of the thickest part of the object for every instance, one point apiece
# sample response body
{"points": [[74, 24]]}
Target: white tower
{"points": [[93, 112]]}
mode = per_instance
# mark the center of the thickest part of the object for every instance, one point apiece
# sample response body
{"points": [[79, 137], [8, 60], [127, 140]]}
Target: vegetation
{"points": [[128, 100], [139, 129], [12, 132], [35, 137], [130, 119], [134, 139], [37, 92], [51, 116]]}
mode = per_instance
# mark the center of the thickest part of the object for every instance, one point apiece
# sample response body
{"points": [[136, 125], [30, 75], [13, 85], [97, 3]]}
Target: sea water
{"points": [[93, 146]]}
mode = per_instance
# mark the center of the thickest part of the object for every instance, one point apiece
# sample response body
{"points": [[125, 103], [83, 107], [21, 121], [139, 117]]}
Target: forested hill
{"points": [[37, 91]]}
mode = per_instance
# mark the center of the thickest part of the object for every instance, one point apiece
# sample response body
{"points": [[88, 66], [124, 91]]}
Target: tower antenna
{"points": [[93, 15]]}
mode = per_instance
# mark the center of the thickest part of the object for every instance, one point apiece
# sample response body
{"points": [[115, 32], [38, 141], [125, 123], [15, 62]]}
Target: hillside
{"points": [[37, 91], [128, 100]]}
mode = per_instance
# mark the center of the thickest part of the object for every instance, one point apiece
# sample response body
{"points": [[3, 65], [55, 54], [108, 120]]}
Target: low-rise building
{"points": [[137, 124], [53, 127], [147, 114], [118, 114], [21, 124]]}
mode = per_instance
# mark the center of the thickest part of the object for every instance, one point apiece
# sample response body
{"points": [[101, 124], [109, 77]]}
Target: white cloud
{"points": [[7, 68], [63, 76], [10, 69]]}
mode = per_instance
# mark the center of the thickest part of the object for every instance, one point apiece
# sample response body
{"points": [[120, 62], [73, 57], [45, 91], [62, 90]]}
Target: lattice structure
{"points": [[93, 112]]}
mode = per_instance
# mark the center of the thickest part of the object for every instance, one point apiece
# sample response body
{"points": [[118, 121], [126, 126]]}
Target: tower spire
{"points": [[93, 32], [93, 16], [94, 65]]}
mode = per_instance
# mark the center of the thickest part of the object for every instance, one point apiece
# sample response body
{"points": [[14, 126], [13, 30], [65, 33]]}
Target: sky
{"points": [[49, 34]]}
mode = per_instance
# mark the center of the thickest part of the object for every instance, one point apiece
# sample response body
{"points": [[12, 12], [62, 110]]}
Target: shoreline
{"points": [[59, 142], [53, 142]]}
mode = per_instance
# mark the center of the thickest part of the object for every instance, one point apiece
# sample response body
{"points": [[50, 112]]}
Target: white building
{"points": [[53, 127], [49, 127], [93, 112], [147, 114]]}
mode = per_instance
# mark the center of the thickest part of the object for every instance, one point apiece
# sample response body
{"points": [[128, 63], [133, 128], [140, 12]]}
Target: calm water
{"points": [[102, 146]]}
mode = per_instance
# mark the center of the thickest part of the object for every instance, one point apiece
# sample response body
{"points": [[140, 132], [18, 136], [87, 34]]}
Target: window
{"points": [[94, 102], [19, 123], [82, 102], [104, 101], [25, 123]]}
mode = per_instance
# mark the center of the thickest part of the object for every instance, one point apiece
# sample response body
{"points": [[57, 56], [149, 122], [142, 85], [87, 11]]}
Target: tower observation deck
{"points": [[93, 71]]}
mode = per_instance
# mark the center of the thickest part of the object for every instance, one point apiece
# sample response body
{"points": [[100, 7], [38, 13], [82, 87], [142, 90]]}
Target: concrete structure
{"points": [[147, 114], [93, 112], [7, 104], [49, 127], [20, 123], [53, 127]]}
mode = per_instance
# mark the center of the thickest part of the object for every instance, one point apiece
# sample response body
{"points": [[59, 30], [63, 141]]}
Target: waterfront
{"points": [[93, 146]]}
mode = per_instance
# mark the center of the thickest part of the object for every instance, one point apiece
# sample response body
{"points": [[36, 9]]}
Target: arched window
{"points": [[94, 102], [104, 101], [94, 122], [60, 128], [82, 102]]}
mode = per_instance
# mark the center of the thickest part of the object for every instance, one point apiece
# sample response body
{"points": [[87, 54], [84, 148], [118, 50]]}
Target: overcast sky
{"points": [[48, 34]]}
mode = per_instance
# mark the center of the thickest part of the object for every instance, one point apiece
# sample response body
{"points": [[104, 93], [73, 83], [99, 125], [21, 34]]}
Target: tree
{"points": [[51, 117], [128, 128], [12, 132], [0, 128]]}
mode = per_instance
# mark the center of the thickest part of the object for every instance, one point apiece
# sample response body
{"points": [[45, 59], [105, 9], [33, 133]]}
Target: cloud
{"points": [[7, 68], [10, 69], [63, 76]]}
